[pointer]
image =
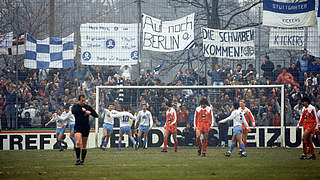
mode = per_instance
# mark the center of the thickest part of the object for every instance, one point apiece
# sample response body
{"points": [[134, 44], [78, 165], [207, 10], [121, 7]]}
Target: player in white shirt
{"points": [[107, 125], [238, 118], [60, 127], [68, 117], [124, 118], [145, 121]]}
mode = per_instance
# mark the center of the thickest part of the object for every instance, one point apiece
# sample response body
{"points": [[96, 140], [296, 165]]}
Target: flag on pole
{"points": [[157, 69], [51, 52]]}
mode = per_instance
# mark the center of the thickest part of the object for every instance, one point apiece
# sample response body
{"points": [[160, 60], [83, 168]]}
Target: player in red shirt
{"points": [[170, 127], [249, 117], [203, 122], [310, 123], [318, 131]]}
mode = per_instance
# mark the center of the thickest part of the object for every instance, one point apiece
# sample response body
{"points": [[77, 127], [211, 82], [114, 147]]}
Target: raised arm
{"points": [[93, 112], [315, 115], [232, 116], [151, 120], [195, 121], [138, 119], [251, 118], [300, 120], [211, 117]]}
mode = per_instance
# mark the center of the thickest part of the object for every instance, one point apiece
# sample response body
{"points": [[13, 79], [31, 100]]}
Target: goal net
{"points": [[266, 102]]}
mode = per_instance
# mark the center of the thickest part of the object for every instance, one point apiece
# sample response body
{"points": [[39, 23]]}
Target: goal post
{"points": [[213, 93]]}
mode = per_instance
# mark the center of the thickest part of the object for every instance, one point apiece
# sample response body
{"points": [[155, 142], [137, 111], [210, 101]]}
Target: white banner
{"points": [[109, 44], [288, 15], [292, 38], [229, 44], [168, 36]]}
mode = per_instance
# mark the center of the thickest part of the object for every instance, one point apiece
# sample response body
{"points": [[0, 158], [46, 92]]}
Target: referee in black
{"points": [[81, 113]]}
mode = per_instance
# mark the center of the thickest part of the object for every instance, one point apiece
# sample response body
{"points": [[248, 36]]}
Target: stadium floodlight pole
{"points": [[200, 87]]}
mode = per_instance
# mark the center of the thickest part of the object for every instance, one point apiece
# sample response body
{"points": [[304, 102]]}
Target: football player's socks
{"points": [[145, 142], [105, 143], [102, 141], [165, 141], [119, 145], [243, 149], [232, 146], [59, 143], [133, 141], [140, 141], [304, 149], [83, 154], [199, 143], [205, 144], [311, 148], [78, 153]]}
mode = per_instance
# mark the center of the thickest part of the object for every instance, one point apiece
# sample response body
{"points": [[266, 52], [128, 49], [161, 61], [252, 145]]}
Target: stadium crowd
{"points": [[39, 93]]}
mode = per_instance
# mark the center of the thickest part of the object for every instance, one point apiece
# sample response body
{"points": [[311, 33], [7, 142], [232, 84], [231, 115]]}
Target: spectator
{"points": [[22, 74], [314, 67], [202, 79], [26, 121], [182, 116], [189, 80], [293, 70], [223, 128], [285, 78], [267, 66], [289, 121], [43, 74], [277, 71], [228, 69], [126, 74], [10, 109], [179, 76], [251, 70], [162, 118], [3, 123], [239, 73], [110, 72], [303, 66], [188, 135], [216, 75]]}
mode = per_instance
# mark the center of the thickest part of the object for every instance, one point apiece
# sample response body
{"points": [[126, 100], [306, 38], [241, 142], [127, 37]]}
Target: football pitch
{"points": [[275, 163]]}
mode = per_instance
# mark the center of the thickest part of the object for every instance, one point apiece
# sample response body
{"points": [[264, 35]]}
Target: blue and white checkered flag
{"points": [[49, 53]]}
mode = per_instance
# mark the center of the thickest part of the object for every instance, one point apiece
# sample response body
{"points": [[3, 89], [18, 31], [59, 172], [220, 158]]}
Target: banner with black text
{"points": [[229, 44], [168, 36], [288, 15], [285, 38], [109, 44]]}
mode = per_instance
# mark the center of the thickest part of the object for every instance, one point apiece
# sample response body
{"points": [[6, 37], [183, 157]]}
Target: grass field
{"points": [[152, 164]]}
